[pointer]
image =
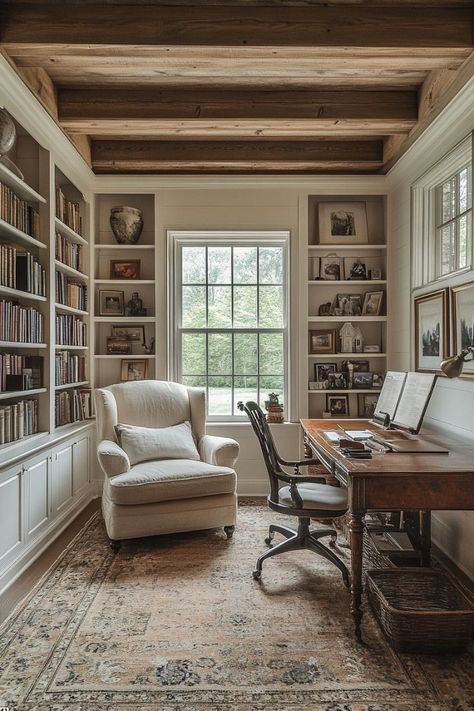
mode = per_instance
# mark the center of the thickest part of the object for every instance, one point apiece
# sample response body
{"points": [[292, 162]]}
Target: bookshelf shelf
{"points": [[23, 445], [19, 294], [21, 393], [350, 282], [346, 356], [72, 385], [138, 282], [74, 426], [127, 357], [125, 319], [19, 345], [68, 232], [70, 271], [19, 187], [124, 247], [343, 319], [70, 310], [60, 347], [355, 248], [13, 234], [348, 391]]}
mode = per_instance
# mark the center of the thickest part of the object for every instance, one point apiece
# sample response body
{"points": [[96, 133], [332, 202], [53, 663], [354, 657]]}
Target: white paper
{"points": [[413, 401], [359, 434], [390, 394]]}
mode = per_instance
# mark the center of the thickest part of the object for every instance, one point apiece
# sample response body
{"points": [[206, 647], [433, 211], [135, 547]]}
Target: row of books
{"points": [[73, 406], [70, 330], [20, 372], [69, 368], [68, 212], [20, 270], [23, 324], [18, 420], [70, 292], [69, 252], [18, 213]]}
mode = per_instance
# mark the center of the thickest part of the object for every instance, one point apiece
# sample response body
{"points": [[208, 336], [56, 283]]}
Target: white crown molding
{"points": [[20, 101]]}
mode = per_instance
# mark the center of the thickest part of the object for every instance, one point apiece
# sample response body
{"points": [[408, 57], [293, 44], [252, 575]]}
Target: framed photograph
{"points": [[322, 341], [375, 274], [118, 346], [342, 223], [362, 381], [367, 404], [337, 405], [358, 366], [332, 268], [377, 380], [432, 330], [372, 305], [337, 381], [111, 303], [130, 333], [346, 305], [134, 370], [125, 269], [322, 371], [358, 271], [463, 322]]}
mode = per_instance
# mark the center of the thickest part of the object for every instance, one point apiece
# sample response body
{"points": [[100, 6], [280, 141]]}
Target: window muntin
{"points": [[453, 222], [231, 335]]}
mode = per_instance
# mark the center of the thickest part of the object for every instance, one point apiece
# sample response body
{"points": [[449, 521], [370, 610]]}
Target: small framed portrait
{"points": [[431, 330], [377, 380], [362, 381], [332, 268], [323, 341], [373, 301], [342, 223], [118, 346], [337, 405], [358, 271], [375, 274], [367, 404], [125, 269], [347, 305], [322, 371], [463, 322], [134, 370], [111, 303], [130, 333], [337, 381]]}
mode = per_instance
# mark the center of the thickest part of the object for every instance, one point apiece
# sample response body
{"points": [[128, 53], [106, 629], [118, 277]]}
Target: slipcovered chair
{"points": [[162, 495]]}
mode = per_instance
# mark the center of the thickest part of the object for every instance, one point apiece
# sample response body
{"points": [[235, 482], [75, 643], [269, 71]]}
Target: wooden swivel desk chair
{"points": [[305, 497]]}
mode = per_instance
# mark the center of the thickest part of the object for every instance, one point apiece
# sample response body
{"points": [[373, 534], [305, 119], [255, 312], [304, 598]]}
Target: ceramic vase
{"points": [[7, 132], [126, 223]]}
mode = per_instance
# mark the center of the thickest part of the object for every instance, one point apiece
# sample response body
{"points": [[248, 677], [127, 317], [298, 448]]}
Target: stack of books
{"points": [[18, 213], [70, 331], [73, 406], [20, 372], [23, 324], [20, 270], [70, 292], [18, 420], [68, 212], [69, 253], [69, 368]]}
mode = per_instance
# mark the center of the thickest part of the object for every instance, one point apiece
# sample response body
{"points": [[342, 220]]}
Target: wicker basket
{"points": [[420, 610]]}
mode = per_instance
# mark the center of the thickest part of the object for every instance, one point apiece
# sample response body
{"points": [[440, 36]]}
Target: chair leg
{"points": [[229, 531], [329, 555], [291, 544], [115, 546], [275, 528]]}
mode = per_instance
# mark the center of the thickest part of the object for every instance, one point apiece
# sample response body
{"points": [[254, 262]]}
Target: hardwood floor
{"points": [[23, 585]]}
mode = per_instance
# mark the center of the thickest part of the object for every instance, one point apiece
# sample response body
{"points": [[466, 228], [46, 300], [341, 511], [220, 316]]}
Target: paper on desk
{"points": [[359, 434]]}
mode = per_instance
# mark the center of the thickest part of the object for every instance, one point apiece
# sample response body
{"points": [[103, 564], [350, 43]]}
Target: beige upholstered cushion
{"points": [[143, 444], [316, 496], [168, 479]]}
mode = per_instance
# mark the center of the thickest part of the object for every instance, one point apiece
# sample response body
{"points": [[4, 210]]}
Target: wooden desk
{"points": [[392, 482]]}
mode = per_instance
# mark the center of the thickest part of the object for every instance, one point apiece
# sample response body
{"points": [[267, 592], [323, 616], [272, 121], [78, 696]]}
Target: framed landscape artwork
{"points": [[322, 341], [342, 223], [463, 322], [431, 330], [134, 370]]}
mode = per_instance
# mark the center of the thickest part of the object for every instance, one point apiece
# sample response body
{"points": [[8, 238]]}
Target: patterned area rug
{"points": [[177, 623]]}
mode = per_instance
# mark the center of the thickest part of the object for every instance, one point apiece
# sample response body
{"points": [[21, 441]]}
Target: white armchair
{"points": [[163, 495]]}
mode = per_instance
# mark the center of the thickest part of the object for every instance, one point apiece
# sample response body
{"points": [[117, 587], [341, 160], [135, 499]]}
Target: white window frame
{"points": [[177, 239], [455, 221]]}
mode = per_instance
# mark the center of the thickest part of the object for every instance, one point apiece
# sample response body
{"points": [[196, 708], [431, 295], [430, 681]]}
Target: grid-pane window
{"points": [[453, 222], [231, 314]]}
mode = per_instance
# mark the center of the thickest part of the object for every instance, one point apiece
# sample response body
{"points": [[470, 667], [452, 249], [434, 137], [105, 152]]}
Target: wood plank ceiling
{"points": [[249, 86]]}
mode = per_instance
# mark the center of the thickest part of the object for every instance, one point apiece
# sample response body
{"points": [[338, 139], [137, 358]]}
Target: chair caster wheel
{"points": [[268, 541], [256, 574], [333, 542]]}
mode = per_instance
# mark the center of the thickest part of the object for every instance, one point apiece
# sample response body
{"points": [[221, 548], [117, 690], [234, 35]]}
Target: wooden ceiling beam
{"points": [[309, 26]]}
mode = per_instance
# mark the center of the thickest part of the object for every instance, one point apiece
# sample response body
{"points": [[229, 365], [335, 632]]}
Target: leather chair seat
{"points": [[316, 496], [168, 480]]}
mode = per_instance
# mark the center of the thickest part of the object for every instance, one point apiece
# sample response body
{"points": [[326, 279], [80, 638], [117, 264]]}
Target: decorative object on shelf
{"points": [[358, 271], [367, 404], [135, 306], [358, 340], [274, 409], [371, 348], [125, 269], [342, 223], [337, 381], [133, 370], [324, 309], [362, 381], [7, 141], [463, 322], [347, 336], [377, 380], [314, 268], [323, 341], [149, 350], [346, 305], [332, 268], [118, 346], [317, 386], [432, 330], [111, 303], [322, 371], [375, 274], [337, 405], [130, 333], [372, 305], [358, 366], [126, 223]]}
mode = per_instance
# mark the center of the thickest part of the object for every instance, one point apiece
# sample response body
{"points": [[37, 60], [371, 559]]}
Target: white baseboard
{"points": [[448, 542]]}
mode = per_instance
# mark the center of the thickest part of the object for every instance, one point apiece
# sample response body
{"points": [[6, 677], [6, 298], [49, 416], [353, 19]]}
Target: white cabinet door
{"points": [[37, 496], [62, 477], [80, 465], [11, 515]]}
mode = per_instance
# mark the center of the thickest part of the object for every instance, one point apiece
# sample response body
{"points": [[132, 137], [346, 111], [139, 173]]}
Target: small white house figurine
{"points": [[347, 336], [358, 340]]}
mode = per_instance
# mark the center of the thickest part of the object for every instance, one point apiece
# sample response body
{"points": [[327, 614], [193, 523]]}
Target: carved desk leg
{"points": [[356, 528], [425, 537], [308, 452]]}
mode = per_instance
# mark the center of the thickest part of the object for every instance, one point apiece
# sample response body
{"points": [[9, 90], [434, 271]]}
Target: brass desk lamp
{"points": [[452, 367]]}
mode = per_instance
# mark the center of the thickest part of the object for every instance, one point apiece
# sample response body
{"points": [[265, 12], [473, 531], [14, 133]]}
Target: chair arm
{"points": [[292, 479], [221, 451], [302, 463], [112, 459]]}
